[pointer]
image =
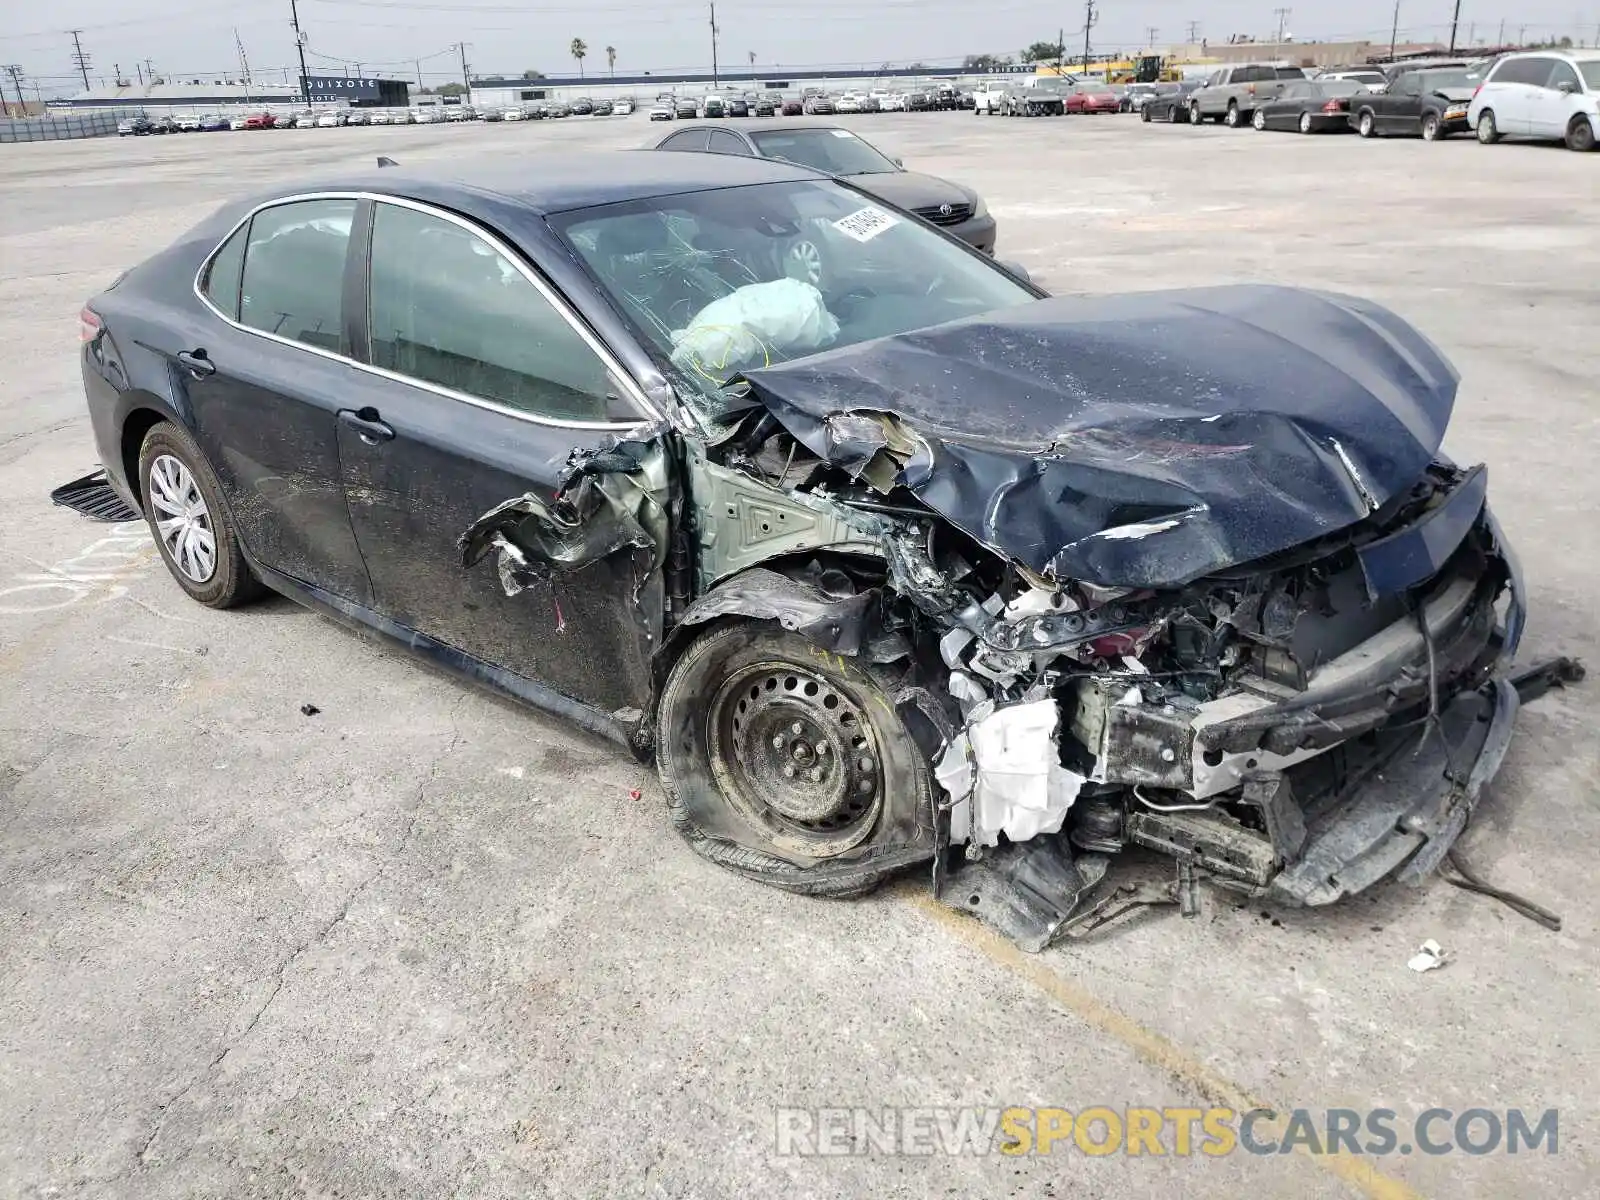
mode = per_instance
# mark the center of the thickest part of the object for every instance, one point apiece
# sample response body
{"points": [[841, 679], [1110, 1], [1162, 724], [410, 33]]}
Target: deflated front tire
{"points": [[789, 764]]}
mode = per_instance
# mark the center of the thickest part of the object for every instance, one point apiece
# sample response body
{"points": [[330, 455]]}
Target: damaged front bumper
{"points": [[1299, 795]]}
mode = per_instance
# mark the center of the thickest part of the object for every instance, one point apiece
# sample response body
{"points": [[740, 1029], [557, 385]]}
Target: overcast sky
{"points": [[185, 39]]}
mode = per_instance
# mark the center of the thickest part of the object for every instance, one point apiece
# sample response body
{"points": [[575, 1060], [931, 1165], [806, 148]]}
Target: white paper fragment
{"points": [[1430, 956], [865, 223], [1004, 772]]}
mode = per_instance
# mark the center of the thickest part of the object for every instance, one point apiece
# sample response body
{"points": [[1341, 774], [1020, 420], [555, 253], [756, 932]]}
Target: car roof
{"points": [[550, 183]]}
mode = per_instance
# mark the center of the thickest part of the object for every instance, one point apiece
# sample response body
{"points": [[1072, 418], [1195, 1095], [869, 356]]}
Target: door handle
{"points": [[369, 427], [197, 362]]}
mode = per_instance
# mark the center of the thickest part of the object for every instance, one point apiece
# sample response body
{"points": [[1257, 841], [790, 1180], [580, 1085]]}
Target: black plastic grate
{"points": [[93, 497]]}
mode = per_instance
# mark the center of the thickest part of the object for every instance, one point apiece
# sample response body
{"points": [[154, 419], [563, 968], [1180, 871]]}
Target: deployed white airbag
{"points": [[753, 325]]}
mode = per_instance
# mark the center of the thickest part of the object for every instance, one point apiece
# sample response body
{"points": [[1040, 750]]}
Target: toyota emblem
{"points": [[945, 210]]}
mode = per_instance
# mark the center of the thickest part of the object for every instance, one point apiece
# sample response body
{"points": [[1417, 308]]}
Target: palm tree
{"points": [[578, 50], [611, 60]]}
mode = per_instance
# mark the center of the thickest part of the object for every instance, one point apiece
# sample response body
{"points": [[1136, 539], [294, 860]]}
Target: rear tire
{"points": [[788, 764], [1488, 131], [1367, 124], [1144, 114], [1232, 117], [1580, 134], [1306, 124], [205, 557]]}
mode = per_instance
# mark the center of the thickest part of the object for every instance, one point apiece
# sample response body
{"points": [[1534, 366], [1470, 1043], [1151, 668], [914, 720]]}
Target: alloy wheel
{"points": [[1259, 118], [183, 521], [804, 262], [1305, 122]]}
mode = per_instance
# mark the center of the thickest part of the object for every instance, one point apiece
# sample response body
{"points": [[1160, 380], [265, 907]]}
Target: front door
{"points": [[493, 389], [263, 398], [1550, 108]]}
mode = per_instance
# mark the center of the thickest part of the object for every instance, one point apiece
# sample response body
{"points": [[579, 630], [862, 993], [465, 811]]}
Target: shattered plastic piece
{"points": [[1003, 772], [1430, 956], [635, 793], [832, 622], [309, 710]]}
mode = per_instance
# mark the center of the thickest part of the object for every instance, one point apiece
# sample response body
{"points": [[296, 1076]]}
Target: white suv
{"points": [[1553, 95]]}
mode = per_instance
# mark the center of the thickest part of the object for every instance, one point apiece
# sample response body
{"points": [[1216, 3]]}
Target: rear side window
{"points": [[1289, 73], [293, 280], [448, 308], [1523, 70], [221, 284], [727, 143], [689, 139]]}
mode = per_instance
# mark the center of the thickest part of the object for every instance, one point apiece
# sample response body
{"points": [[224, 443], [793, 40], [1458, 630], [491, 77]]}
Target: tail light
{"points": [[1333, 106], [88, 324], [1252, 89]]}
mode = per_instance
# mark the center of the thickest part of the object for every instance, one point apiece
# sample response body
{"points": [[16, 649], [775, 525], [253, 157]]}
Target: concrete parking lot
{"points": [[424, 943]]}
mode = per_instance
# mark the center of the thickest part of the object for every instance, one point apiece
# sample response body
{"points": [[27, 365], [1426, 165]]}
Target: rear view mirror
{"points": [[1014, 268]]}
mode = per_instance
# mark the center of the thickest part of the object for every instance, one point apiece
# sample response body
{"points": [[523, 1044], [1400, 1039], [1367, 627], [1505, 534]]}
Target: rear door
{"points": [[264, 382], [1518, 81], [494, 383]]}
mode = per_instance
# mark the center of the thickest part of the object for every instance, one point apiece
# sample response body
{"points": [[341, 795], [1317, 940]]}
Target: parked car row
{"points": [[333, 118], [1547, 95]]}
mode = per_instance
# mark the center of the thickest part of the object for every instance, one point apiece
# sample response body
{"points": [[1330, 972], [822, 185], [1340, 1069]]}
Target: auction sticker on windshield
{"points": [[865, 223]]}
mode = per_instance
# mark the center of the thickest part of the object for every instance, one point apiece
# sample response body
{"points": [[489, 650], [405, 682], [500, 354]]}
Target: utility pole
{"points": [[150, 70], [1061, 48], [79, 58], [15, 71], [138, 69], [713, 45], [466, 79], [417, 63], [1088, 24], [1194, 33], [300, 45], [1394, 29], [244, 66], [1455, 19], [1150, 32], [1283, 16], [1502, 39], [1522, 36]]}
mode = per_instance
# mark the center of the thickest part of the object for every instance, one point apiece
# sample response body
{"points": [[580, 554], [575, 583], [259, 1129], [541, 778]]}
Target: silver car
{"points": [[1233, 93]]}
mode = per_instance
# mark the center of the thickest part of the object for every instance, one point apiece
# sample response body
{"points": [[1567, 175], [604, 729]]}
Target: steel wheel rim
{"points": [[183, 522], [796, 756], [805, 257]]}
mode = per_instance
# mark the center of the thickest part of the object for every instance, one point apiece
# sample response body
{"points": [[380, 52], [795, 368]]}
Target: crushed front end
{"points": [[1296, 728]]}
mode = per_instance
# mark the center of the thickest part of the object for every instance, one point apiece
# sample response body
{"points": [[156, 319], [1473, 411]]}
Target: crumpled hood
{"points": [[1141, 440], [1454, 93]]}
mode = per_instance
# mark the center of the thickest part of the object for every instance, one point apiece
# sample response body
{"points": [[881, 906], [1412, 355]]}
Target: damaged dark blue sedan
{"points": [[886, 558]]}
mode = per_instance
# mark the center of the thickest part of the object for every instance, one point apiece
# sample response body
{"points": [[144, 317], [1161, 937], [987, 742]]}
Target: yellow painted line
{"points": [[1156, 1050]]}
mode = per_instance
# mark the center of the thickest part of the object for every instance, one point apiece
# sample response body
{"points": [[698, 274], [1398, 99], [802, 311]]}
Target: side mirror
{"points": [[1566, 87], [1014, 268], [899, 162]]}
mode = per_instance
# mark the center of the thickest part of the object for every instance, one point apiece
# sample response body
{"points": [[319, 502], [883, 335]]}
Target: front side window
{"points": [[1590, 70], [689, 139], [221, 284], [1289, 73], [1561, 73], [447, 308], [293, 278]]}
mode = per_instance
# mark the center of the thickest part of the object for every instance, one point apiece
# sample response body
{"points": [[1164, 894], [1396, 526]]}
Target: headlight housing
{"points": [[979, 208]]}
